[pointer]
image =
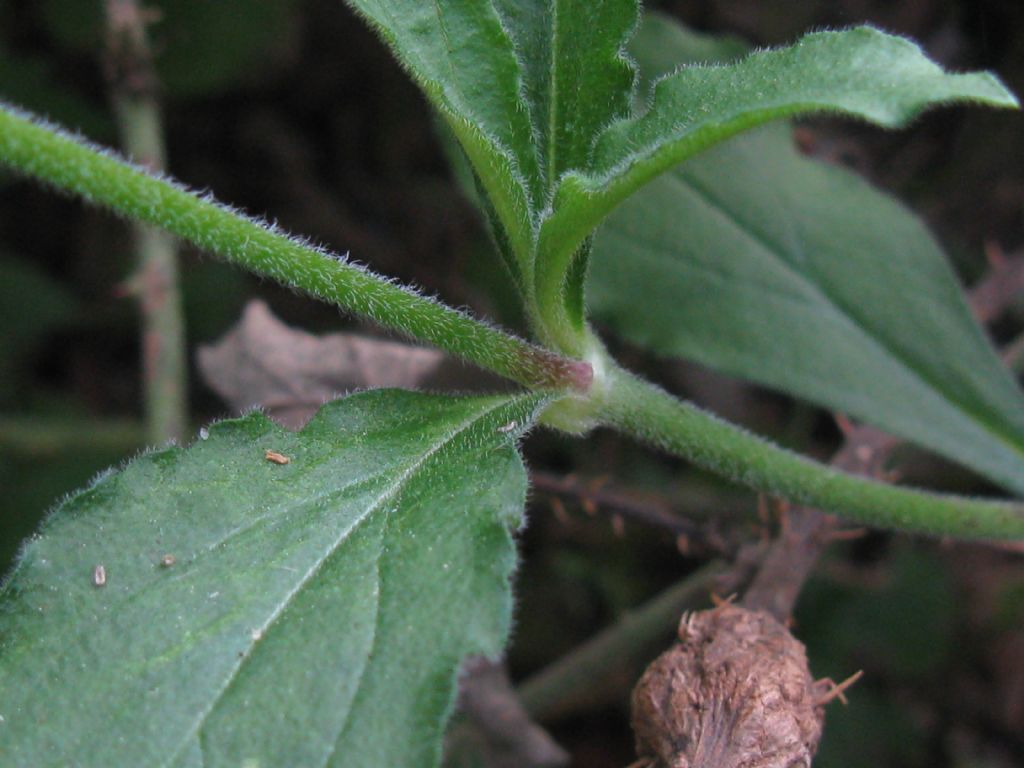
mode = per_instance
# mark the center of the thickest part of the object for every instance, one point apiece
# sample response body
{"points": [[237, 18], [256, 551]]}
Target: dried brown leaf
{"points": [[290, 373]]}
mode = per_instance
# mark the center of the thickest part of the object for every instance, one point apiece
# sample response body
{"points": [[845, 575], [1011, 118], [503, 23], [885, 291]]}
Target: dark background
{"points": [[292, 110]]}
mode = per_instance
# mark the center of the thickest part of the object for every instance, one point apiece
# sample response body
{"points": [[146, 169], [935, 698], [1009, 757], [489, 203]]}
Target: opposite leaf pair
{"points": [[319, 609]]}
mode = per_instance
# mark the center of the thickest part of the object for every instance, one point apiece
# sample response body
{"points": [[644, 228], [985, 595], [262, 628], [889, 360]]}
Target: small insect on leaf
{"points": [[99, 576], [167, 560], [508, 427], [275, 457]]}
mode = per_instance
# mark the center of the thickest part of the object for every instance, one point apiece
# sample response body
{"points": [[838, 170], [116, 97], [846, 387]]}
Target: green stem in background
{"points": [[45, 153], [164, 366], [610, 662], [643, 410], [45, 436]]}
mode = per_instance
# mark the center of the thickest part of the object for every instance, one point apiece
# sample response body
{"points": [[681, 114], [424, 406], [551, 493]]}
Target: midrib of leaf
{"points": [[390, 492], [846, 313], [272, 622], [242, 530]]}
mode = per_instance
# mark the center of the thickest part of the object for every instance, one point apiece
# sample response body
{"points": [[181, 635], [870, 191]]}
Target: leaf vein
{"points": [[278, 610]]}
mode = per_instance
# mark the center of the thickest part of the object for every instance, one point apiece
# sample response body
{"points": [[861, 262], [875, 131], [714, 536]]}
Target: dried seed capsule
{"points": [[735, 692]]}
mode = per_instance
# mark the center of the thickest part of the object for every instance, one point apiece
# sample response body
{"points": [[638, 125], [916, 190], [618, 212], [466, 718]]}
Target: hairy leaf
{"points": [[576, 77], [526, 87], [860, 72], [755, 260], [255, 612], [464, 60], [577, 80]]}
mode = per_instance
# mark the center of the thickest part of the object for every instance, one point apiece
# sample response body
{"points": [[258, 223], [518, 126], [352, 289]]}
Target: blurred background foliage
{"points": [[291, 109]]}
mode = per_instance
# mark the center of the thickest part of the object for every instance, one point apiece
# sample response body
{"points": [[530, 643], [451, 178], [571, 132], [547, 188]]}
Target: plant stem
{"points": [[45, 153], [133, 85], [643, 410], [613, 658], [41, 436]]}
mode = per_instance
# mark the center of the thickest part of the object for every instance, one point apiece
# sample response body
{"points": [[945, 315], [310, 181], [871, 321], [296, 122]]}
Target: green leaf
{"points": [[662, 45], [464, 60], [860, 72], [526, 88], [762, 263], [576, 76], [316, 611], [577, 80]]}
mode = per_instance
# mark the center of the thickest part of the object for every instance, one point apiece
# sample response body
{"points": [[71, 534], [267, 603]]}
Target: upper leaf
{"points": [[315, 612], [755, 260], [526, 88], [861, 72], [464, 60], [576, 76], [577, 80]]}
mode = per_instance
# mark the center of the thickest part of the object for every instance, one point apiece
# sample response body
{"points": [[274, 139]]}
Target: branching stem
{"points": [[620, 401]]}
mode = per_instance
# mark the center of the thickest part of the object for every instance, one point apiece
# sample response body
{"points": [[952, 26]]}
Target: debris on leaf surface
{"points": [[735, 692]]}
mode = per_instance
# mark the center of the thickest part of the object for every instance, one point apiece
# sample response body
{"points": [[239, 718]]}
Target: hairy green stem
{"points": [[164, 367], [611, 660], [643, 410], [45, 153]]}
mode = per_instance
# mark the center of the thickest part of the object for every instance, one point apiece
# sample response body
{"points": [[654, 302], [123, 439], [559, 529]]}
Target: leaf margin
{"points": [[527, 405], [583, 200]]}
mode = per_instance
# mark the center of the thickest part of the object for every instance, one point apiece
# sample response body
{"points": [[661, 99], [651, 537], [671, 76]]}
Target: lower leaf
{"points": [[267, 597]]}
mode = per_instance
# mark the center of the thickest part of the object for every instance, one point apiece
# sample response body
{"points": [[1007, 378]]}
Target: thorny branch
{"points": [[676, 516]]}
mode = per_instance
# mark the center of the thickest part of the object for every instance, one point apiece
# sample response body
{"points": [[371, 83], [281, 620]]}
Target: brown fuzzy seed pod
{"points": [[736, 692]]}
